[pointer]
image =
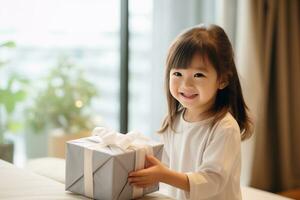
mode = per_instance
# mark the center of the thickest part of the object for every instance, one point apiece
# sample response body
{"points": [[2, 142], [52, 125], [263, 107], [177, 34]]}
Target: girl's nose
{"points": [[187, 82]]}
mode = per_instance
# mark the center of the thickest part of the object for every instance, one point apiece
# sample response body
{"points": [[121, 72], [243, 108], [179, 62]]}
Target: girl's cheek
{"points": [[171, 85], [173, 92], [174, 82]]}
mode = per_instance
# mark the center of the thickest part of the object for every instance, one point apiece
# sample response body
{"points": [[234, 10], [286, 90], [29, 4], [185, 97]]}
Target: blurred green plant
{"points": [[64, 102], [12, 92]]}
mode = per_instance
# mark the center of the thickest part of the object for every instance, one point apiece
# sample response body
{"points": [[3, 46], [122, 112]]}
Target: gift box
{"points": [[98, 166]]}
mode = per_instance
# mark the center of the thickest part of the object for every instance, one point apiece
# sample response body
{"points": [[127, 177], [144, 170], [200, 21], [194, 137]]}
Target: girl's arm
{"points": [[157, 172], [176, 179]]}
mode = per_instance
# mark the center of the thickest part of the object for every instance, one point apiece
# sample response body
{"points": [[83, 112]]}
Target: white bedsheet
{"points": [[16, 184]]}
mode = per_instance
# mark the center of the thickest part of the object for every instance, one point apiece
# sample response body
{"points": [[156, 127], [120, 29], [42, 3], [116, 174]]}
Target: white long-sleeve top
{"points": [[210, 157]]}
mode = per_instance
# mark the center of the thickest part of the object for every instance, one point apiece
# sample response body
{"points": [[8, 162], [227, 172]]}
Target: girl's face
{"points": [[195, 87]]}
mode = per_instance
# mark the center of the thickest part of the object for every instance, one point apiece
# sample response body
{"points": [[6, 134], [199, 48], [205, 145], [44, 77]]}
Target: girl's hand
{"points": [[149, 176]]}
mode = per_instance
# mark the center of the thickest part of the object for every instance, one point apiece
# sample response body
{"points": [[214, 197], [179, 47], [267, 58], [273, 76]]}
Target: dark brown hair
{"points": [[213, 45]]}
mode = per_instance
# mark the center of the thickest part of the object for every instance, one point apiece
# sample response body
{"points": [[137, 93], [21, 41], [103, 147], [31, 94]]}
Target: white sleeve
{"points": [[218, 159]]}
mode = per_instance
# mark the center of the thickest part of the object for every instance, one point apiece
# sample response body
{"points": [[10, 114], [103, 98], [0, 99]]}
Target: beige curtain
{"points": [[276, 163]]}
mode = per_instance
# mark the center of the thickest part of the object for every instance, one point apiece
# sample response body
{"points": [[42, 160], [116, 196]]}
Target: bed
{"points": [[17, 183]]}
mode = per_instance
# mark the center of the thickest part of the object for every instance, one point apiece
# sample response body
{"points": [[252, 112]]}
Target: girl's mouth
{"points": [[188, 96]]}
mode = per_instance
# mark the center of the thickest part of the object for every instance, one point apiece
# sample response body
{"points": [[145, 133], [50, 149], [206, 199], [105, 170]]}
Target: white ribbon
{"points": [[125, 142]]}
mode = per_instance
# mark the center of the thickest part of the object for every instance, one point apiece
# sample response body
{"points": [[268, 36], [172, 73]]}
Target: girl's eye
{"points": [[177, 74], [198, 75]]}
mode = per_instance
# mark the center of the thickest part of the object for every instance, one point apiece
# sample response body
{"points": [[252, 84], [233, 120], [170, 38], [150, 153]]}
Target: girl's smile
{"points": [[188, 96]]}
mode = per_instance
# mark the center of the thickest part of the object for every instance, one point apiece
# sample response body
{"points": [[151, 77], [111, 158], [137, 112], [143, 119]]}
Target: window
{"points": [[140, 69], [86, 32]]}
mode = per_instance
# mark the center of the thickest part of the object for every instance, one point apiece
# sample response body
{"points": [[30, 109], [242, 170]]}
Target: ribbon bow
{"points": [[108, 137], [125, 142]]}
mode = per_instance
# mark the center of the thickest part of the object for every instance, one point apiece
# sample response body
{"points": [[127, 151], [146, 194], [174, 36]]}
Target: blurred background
{"points": [[68, 66]]}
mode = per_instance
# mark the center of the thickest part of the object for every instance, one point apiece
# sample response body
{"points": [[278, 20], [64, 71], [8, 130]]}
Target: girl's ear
{"points": [[223, 84]]}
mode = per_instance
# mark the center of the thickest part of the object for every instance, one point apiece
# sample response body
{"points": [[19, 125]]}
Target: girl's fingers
{"points": [[138, 173], [137, 179], [152, 160]]}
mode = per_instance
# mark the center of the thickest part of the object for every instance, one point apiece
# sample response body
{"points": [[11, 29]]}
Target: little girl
{"points": [[206, 121]]}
